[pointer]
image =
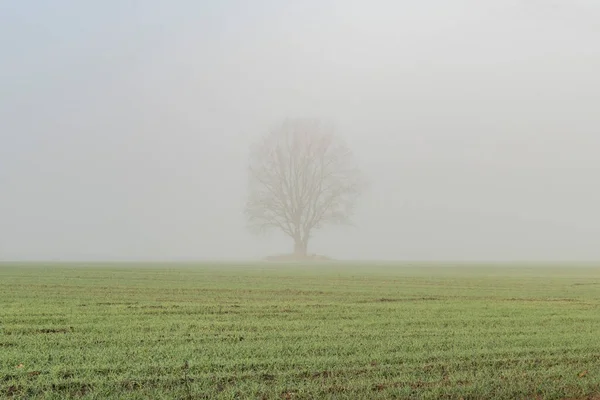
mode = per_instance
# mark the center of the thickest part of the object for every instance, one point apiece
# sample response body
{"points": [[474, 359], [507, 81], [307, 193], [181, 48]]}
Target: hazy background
{"points": [[125, 125]]}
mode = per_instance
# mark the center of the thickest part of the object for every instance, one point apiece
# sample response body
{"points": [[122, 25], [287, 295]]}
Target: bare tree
{"points": [[301, 178]]}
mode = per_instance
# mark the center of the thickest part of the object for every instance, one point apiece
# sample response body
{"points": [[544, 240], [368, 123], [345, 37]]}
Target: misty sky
{"points": [[125, 125]]}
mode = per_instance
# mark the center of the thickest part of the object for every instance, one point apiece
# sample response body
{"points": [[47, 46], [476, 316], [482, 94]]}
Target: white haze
{"points": [[125, 125]]}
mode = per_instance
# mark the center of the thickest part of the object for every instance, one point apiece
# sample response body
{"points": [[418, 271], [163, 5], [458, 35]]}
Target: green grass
{"points": [[293, 332]]}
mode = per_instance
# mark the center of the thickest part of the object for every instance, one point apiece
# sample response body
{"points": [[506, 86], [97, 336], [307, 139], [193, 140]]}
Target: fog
{"points": [[125, 126]]}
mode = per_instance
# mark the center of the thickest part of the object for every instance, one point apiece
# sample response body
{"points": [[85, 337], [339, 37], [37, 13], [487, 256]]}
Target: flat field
{"points": [[298, 332]]}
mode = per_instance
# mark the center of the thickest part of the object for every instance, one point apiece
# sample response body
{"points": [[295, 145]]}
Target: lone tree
{"points": [[301, 178]]}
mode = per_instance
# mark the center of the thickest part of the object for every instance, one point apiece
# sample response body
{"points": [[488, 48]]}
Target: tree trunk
{"points": [[300, 247]]}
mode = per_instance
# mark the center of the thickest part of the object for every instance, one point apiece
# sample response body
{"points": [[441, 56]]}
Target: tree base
{"points": [[297, 258]]}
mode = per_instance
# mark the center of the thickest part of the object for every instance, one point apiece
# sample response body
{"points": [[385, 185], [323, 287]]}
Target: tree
{"points": [[301, 178]]}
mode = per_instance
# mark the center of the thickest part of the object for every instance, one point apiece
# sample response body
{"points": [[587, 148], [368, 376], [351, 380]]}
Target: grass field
{"points": [[297, 332]]}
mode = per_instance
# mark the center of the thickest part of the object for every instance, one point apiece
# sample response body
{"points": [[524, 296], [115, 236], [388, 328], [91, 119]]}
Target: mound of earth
{"points": [[297, 258]]}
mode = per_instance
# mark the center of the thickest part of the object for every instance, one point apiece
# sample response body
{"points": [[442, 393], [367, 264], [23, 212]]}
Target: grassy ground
{"points": [[292, 332]]}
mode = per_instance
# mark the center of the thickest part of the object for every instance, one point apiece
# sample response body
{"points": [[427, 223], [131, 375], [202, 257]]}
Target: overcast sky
{"points": [[125, 126]]}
